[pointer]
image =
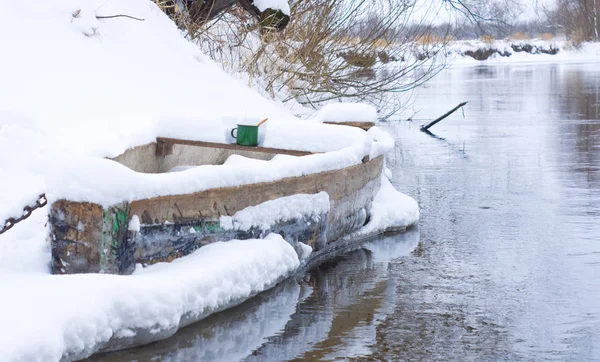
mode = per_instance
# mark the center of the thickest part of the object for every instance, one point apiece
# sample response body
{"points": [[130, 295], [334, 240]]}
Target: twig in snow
{"points": [[118, 16]]}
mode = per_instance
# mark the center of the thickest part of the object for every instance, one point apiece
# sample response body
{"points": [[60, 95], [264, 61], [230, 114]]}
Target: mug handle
{"points": [[232, 132]]}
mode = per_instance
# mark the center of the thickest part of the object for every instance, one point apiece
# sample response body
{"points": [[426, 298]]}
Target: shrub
{"points": [[429, 39], [365, 60], [519, 36], [488, 39], [577, 38], [484, 53]]}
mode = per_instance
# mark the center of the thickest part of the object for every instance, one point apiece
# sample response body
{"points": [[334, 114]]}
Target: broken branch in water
{"points": [[426, 128]]}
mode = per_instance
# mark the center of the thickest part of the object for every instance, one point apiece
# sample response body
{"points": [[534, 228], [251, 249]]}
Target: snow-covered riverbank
{"points": [[76, 89], [462, 53]]}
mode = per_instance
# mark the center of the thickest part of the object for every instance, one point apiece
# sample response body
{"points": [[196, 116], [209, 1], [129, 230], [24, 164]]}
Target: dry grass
{"points": [[519, 36], [547, 36], [488, 39], [433, 39], [360, 60], [577, 38], [347, 40], [381, 43]]}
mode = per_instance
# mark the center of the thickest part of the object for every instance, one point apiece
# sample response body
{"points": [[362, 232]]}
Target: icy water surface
{"points": [[505, 264]]}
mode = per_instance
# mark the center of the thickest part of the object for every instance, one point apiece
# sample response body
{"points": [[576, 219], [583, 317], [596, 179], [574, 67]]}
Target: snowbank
{"points": [[106, 85], [282, 5], [156, 298], [76, 89], [347, 112], [12, 195], [589, 52], [391, 210], [23, 249], [287, 208], [107, 183]]}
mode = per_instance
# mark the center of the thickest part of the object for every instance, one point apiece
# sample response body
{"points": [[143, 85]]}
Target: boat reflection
{"points": [[333, 308]]}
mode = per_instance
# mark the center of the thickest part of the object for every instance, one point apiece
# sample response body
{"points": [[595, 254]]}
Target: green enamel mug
{"points": [[245, 135]]}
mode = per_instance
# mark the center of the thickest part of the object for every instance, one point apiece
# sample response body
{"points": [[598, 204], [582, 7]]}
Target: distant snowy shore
{"points": [[465, 52]]}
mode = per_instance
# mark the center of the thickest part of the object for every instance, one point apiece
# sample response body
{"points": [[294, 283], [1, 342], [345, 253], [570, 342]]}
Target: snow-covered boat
{"points": [[317, 208]]}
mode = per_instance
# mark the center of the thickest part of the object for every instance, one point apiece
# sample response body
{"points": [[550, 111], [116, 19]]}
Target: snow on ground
{"points": [[155, 298], [347, 112], [282, 5], [14, 182], [105, 85], [76, 89], [282, 209], [23, 249]]}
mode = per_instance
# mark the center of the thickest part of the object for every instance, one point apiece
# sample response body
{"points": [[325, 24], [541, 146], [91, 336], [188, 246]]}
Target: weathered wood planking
{"points": [[213, 203], [167, 147], [89, 238], [364, 125]]}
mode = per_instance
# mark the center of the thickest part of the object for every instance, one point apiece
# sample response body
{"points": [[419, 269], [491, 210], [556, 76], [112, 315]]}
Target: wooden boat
{"points": [[90, 238]]}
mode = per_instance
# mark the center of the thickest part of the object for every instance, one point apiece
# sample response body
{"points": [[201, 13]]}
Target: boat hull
{"points": [[88, 238]]}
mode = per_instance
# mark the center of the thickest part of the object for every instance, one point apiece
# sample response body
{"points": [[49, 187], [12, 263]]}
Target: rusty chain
{"points": [[27, 211]]}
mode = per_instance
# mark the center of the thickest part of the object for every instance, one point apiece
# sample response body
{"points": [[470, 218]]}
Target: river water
{"points": [[505, 263]]}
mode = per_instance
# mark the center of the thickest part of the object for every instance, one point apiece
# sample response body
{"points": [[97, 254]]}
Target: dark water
{"points": [[505, 264]]}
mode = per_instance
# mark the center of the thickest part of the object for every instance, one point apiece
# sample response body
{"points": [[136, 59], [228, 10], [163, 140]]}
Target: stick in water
{"points": [[261, 122], [426, 128]]}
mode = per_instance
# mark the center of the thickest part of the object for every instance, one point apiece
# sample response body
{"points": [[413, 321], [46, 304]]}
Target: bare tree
{"points": [[360, 50], [332, 50], [578, 18]]}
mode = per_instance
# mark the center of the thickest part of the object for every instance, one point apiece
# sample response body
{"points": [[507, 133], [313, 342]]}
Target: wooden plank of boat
{"points": [[166, 147], [90, 238], [364, 125]]}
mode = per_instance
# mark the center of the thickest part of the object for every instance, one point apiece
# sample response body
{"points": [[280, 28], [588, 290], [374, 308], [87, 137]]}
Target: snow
{"points": [[12, 197], [107, 183], [589, 52], [23, 249], [283, 132], [152, 298], [76, 89], [306, 250], [391, 209], [382, 142], [347, 112], [134, 224], [265, 215], [106, 85], [282, 5]]}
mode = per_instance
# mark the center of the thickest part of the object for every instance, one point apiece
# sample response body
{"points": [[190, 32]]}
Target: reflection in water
{"points": [[505, 264], [338, 304], [351, 296], [225, 336]]}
